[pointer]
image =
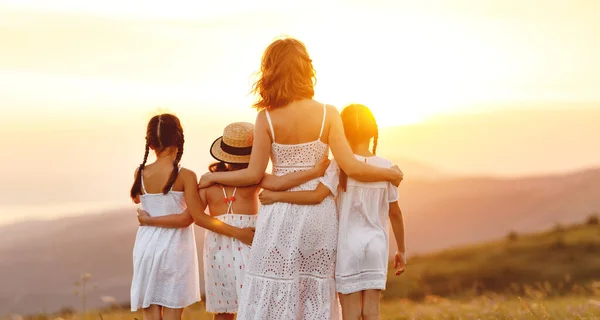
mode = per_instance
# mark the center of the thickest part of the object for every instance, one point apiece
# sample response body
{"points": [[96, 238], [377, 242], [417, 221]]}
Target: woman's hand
{"points": [[398, 175], [143, 217], [205, 181], [246, 235], [268, 197], [400, 262]]}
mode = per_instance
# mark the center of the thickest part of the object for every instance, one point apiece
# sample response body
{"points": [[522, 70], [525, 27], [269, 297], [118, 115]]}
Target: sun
{"points": [[406, 70]]}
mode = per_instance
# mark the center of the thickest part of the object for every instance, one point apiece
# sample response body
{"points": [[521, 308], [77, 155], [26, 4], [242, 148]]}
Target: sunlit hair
{"points": [[359, 127], [163, 131], [286, 75], [224, 166]]}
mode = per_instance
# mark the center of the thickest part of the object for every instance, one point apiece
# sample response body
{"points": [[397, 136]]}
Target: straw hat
{"points": [[235, 146]]}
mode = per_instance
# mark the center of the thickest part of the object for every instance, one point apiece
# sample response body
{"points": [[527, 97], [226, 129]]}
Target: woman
{"points": [[290, 274]]}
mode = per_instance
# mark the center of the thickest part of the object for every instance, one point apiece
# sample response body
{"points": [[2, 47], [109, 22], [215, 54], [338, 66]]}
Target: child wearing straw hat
{"points": [[225, 257]]}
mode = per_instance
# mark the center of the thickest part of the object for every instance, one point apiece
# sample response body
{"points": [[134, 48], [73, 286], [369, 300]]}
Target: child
{"points": [[165, 262], [225, 257], [362, 253]]}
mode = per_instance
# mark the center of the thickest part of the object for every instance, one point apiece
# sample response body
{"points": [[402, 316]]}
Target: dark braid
{"points": [[136, 189], [175, 171]]}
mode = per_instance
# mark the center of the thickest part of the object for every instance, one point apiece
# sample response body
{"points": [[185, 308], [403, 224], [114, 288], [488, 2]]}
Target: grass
{"points": [[559, 262], [432, 308]]}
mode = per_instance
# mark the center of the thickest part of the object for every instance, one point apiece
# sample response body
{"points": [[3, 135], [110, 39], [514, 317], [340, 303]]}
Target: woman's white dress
{"points": [[362, 252], [290, 274], [165, 260]]}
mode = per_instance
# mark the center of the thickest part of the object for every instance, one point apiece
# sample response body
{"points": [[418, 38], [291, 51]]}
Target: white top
{"points": [[363, 209]]}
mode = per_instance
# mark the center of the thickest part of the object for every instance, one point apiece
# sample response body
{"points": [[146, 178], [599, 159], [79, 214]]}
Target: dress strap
{"points": [[323, 123], [270, 124], [228, 200], [142, 177]]}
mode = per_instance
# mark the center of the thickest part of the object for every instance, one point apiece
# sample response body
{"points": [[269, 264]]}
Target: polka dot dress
{"points": [[225, 261]]}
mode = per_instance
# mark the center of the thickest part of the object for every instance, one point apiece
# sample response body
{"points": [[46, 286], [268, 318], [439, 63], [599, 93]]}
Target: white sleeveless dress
{"points": [[290, 274], [165, 260]]}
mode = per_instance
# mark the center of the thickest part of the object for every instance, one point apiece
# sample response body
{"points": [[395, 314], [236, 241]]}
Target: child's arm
{"points": [[285, 182], [297, 197], [196, 208], [397, 222], [177, 220]]}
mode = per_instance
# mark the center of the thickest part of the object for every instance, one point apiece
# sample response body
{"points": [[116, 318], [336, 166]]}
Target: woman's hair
{"points": [[286, 74], [224, 166], [359, 126], [163, 131]]}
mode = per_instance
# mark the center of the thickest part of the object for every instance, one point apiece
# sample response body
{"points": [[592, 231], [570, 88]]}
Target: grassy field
{"points": [[548, 275], [432, 308], [559, 262]]}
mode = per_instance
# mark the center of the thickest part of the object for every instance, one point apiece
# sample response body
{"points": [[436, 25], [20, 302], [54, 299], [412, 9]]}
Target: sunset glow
{"points": [[75, 74]]}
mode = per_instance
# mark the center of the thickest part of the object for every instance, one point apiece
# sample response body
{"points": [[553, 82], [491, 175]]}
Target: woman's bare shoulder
{"points": [[332, 109]]}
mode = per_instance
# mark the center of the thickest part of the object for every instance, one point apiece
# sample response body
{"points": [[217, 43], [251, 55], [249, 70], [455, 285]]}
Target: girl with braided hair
{"points": [[165, 261], [362, 251], [225, 258]]}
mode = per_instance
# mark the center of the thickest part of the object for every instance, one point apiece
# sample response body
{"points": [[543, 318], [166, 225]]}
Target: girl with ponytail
{"points": [[363, 207], [165, 261]]}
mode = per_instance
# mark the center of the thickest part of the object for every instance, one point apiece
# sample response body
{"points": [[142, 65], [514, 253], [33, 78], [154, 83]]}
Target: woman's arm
{"points": [[397, 222], [196, 209], [297, 197], [178, 220], [285, 182], [346, 160], [259, 159]]}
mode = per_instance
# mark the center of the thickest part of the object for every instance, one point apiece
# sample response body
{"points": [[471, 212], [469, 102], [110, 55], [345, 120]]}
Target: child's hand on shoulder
{"points": [[205, 181], [400, 262], [267, 197]]}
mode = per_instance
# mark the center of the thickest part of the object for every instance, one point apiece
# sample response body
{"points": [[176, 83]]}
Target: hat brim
{"points": [[218, 153]]}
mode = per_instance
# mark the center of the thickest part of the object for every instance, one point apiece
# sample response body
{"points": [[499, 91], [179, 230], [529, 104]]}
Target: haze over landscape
{"points": [[491, 108]]}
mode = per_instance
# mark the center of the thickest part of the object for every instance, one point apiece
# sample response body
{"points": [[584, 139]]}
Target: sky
{"points": [[79, 79]]}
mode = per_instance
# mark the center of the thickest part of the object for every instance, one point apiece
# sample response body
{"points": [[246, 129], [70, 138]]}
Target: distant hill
{"points": [[41, 260], [416, 170], [447, 213]]}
